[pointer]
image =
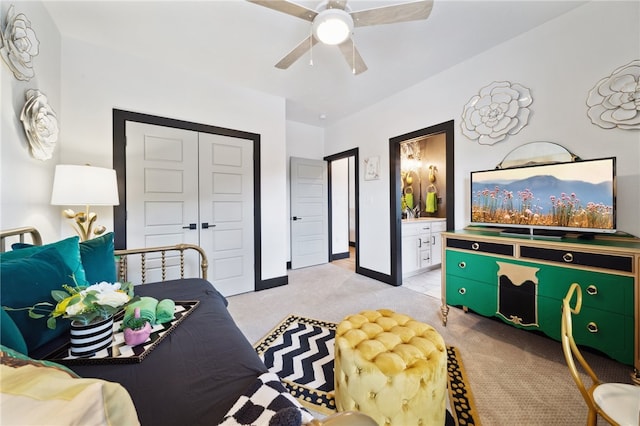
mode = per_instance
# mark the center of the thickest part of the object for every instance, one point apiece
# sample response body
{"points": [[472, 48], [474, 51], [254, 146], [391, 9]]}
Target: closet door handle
{"points": [[206, 225], [191, 226], [296, 218]]}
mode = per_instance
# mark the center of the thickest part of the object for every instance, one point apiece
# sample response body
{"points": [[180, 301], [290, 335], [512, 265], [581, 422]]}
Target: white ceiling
{"points": [[240, 42]]}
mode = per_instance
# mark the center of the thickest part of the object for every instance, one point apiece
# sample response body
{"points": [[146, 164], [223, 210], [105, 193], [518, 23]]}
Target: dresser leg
{"points": [[444, 309]]}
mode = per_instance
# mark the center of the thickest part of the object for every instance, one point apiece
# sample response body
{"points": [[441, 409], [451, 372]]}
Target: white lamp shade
{"points": [[332, 26], [84, 186]]}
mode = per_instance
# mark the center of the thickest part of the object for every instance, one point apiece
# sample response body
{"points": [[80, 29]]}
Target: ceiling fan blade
{"points": [[390, 14], [296, 53], [351, 54], [288, 8]]}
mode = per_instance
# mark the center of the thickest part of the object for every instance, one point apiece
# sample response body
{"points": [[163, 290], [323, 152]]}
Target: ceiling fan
{"points": [[333, 23]]}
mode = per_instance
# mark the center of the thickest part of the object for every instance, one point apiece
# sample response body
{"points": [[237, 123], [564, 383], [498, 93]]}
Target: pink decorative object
{"points": [[134, 337]]}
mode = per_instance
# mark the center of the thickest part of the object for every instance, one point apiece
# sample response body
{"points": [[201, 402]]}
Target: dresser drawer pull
{"points": [[462, 290], [592, 327], [592, 290], [475, 246], [567, 257], [462, 265]]}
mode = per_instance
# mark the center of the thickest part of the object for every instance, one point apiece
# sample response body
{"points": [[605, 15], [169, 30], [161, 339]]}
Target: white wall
{"points": [[559, 61], [303, 141], [340, 206], [25, 183], [96, 80]]}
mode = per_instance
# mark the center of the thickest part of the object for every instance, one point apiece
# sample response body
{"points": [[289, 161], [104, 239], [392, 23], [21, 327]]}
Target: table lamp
{"points": [[84, 186]]}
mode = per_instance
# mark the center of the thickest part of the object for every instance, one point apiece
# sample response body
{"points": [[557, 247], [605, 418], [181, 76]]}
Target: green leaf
{"points": [[59, 295], [34, 315], [51, 323], [74, 300]]}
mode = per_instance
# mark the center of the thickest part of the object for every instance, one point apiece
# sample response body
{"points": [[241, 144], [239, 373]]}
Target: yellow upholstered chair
{"points": [[617, 403]]}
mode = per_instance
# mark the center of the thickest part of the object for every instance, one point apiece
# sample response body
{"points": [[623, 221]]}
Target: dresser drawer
{"points": [[479, 297], [481, 246], [608, 332], [568, 257], [472, 266], [602, 291]]}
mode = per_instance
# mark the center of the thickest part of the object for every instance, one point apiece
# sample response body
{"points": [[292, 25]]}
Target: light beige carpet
{"points": [[517, 377]]}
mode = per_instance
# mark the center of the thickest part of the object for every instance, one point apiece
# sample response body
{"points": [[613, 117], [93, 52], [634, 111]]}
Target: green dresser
{"points": [[522, 281]]}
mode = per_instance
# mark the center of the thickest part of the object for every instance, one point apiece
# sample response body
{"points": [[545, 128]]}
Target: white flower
{"points": [[108, 294], [19, 45], [615, 100], [113, 299], [40, 124], [103, 287], [499, 110], [75, 309]]}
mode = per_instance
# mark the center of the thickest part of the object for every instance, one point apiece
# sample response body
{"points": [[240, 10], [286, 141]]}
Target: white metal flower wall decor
{"points": [[19, 45], [499, 110], [615, 100], [40, 124]]}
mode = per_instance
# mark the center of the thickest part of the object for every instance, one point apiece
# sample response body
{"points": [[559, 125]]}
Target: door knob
{"points": [[190, 226], [296, 218]]}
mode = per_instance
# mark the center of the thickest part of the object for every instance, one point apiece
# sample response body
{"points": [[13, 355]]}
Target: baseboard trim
{"points": [[338, 256], [272, 282]]}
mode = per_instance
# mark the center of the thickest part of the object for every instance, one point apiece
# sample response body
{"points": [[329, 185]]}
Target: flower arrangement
{"points": [[83, 304]]}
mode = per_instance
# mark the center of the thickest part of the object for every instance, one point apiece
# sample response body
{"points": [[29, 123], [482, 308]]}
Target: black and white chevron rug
{"points": [[300, 351]]}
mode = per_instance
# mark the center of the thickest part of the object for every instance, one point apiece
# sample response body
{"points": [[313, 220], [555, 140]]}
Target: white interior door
{"points": [[226, 207], [309, 226], [162, 194]]}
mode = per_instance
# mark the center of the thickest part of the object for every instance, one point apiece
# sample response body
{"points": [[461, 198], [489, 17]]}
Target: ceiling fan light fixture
{"points": [[332, 26]]}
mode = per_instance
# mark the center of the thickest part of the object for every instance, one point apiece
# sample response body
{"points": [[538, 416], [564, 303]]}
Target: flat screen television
{"points": [[549, 199]]}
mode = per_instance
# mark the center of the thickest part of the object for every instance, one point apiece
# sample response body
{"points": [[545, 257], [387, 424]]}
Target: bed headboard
{"points": [[20, 233], [122, 256]]}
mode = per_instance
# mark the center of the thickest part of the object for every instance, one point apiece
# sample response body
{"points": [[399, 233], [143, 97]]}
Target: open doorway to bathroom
{"points": [[441, 137], [342, 171]]}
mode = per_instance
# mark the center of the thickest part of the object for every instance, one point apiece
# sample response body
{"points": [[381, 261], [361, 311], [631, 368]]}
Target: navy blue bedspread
{"points": [[197, 372]]}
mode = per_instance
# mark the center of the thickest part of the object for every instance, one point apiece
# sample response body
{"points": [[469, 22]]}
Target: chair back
{"points": [[569, 347]]}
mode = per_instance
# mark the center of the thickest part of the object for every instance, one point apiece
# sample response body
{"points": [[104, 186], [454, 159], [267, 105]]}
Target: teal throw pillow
{"points": [[98, 259], [68, 248], [10, 333], [30, 280]]}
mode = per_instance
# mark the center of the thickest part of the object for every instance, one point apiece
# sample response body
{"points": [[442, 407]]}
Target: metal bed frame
{"points": [[121, 256]]}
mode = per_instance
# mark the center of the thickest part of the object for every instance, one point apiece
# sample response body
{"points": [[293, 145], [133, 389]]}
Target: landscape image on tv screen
{"points": [[572, 196]]}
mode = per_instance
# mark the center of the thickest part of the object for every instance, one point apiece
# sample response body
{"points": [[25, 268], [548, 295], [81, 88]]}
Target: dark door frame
{"points": [[120, 117], [339, 156], [395, 213]]}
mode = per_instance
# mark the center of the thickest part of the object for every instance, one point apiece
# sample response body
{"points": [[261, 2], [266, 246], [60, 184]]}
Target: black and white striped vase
{"points": [[88, 339]]}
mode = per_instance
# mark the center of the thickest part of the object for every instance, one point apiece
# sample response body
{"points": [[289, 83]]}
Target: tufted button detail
{"points": [[397, 368]]}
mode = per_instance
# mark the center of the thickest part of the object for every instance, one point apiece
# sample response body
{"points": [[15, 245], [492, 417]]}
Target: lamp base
{"points": [[84, 223]]}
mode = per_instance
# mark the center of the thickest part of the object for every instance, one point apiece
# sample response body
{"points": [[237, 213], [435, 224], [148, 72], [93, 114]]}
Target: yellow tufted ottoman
{"points": [[391, 367]]}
